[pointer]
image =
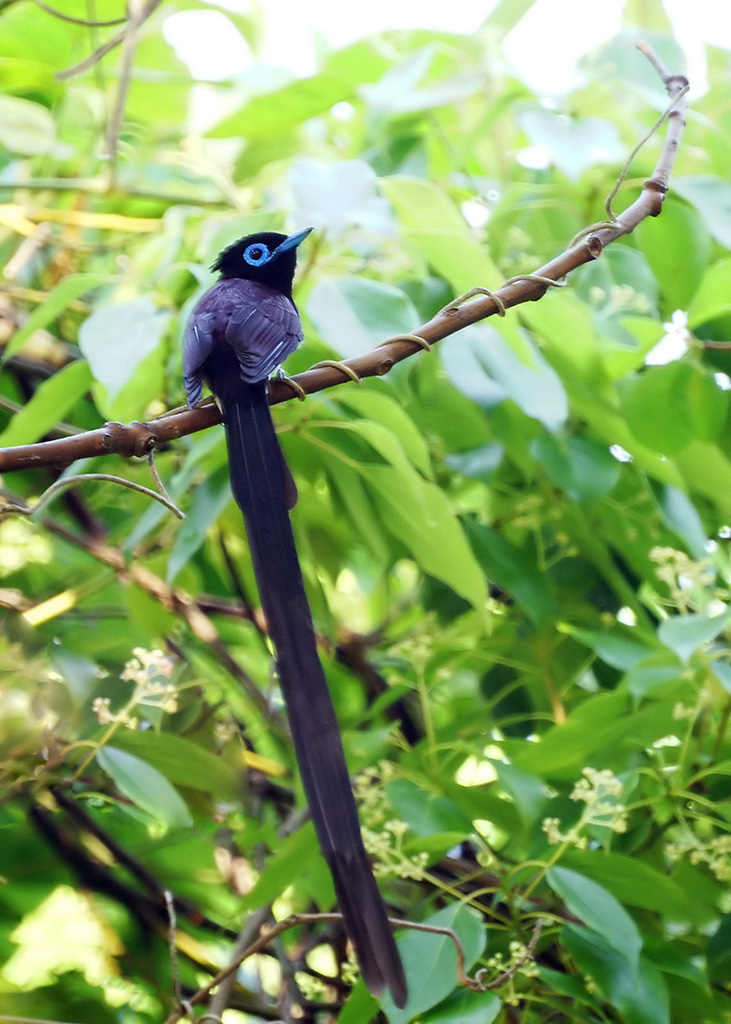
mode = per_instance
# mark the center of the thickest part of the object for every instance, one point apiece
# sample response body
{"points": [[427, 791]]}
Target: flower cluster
{"points": [[691, 583], [715, 852], [383, 835], [601, 792], [520, 961], [150, 671]]}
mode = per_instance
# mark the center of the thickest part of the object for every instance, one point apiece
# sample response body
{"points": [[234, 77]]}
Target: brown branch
{"points": [[138, 439]]}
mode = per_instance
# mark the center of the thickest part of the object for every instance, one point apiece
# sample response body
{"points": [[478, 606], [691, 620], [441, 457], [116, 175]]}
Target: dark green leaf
{"points": [[209, 500], [582, 468], [514, 570]]}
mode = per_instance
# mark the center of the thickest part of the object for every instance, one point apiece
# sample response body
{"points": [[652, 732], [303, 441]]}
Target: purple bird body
{"points": [[261, 325], [240, 331]]}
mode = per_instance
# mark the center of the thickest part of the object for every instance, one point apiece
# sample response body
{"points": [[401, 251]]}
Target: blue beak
{"points": [[292, 242]]}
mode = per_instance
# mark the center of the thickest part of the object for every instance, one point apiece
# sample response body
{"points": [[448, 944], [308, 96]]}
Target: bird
{"points": [[241, 331]]}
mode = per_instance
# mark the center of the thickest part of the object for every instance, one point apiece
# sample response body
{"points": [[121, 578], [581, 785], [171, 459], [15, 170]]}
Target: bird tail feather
{"points": [[260, 488]]}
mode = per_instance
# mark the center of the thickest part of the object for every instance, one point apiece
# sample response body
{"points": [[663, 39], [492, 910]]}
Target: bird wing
{"points": [[261, 325], [197, 346], [263, 330]]}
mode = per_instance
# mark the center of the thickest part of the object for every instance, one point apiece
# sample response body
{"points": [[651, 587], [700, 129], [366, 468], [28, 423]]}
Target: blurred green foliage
{"points": [[515, 546]]}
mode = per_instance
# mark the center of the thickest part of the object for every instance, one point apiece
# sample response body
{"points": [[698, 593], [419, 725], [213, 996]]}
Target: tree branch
{"points": [[138, 439]]}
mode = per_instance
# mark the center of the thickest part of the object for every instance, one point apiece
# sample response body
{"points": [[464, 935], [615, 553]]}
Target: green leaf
{"points": [[122, 344], [599, 910], [281, 110], [568, 334], [637, 884], [360, 1006], [418, 513], [348, 485], [368, 403], [711, 196], [56, 302], [209, 500], [426, 813], [567, 985], [669, 406], [581, 467], [146, 787], [355, 314], [417, 948], [617, 648], [464, 1007], [653, 674], [678, 268], [295, 858], [713, 298], [437, 230], [528, 792], [479, 463], [707, 471], [25, 127], [514, 569], [682, 517], [486, 368], [606, 723], [507, 14], [182, 762], [19, 75], [719, 952], [639, 993], [684, 634], [48, 406]]}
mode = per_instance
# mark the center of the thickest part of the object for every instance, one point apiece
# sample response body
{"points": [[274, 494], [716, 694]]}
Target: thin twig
{"points": [[528, 954], [129, 48], [105, 48], [79, 21], [172, 947], [625, 170], [11, 508]]}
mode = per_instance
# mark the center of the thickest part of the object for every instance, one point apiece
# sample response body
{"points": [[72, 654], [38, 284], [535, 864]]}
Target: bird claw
{"points": [[297, 388]]}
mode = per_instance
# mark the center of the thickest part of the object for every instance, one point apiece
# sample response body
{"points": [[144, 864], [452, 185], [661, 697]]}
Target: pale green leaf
{"points": [[434, 226], [353, 315], [146, 787], [25, 127]]}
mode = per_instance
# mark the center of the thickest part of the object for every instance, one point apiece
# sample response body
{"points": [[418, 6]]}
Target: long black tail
{"points": [[258, 485]]}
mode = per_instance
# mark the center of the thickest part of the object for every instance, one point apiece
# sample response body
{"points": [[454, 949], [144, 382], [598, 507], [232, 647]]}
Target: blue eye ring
{"points": [[256, 254]]}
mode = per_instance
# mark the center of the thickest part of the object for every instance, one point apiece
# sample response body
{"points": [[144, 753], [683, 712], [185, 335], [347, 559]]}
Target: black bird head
{"points": [[267, 257]]}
